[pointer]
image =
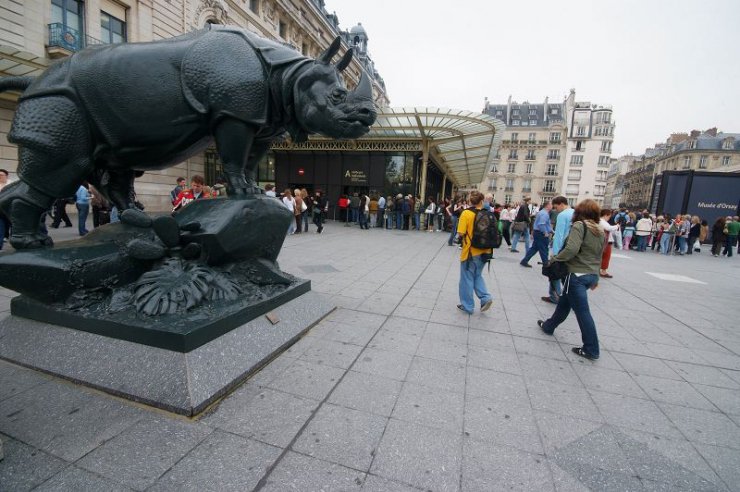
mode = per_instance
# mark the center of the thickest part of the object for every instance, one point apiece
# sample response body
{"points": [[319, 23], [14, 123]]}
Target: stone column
{"points": [[444, 186], [423, 178]]}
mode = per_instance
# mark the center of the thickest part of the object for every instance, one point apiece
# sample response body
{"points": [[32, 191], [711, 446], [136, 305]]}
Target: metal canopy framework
{"points": [[463, 143]]}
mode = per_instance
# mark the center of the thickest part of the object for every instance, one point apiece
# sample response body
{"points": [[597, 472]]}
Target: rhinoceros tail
{"points": [[15, 83]]}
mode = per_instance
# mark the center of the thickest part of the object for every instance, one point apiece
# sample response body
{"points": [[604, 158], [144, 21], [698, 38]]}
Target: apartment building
{"points": [[550, 149], [33, 33], [590, 133], [615, 179], [709, 150], [530, 159]]}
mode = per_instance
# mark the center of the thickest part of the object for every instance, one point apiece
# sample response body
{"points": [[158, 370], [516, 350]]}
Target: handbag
{"points": [[519, 226], [558, 270], [304, 207]]}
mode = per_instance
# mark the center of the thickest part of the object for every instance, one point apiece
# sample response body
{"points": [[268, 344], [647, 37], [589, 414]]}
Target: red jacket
{"points": [[186, 196]]}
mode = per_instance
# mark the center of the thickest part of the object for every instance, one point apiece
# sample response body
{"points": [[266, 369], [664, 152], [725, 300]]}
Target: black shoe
{"points": [[514, 250], [541, 324], [54, 226], [548, 300], [526, 265], [459, 306], [583, 353]]}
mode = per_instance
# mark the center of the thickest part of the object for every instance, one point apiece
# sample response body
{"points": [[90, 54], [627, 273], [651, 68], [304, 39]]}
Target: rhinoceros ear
{"points": [[332, 50], [344, 62]]}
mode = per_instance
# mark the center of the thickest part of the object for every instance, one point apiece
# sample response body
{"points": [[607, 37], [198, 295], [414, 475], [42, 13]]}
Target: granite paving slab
{"points": [[606, 459], [704, 426], [343, 436], [430, 407], [307, 379], [437, 374], [420, 456], [159, 443], [253, 414], [488, 467], [393, 365], [297, 472], [563, 399], [73, 478], [374, 483], [502, 422], [634, 413], [25, 467], [64, 421], [367, 392], [221, 462]]}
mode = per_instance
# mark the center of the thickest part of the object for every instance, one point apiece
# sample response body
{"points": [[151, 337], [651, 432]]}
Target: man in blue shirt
{"points": [[82, 199], [562, 229], [542, 230]]}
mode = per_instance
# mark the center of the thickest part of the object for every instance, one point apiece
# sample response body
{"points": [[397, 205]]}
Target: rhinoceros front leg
{"points": [[234, 140]]}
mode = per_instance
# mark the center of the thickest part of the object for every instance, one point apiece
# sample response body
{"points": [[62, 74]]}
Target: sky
{"points": [[664, 66]]}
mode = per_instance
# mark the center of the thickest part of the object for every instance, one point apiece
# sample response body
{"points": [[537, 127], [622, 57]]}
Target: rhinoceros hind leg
{"points": [[120, 189], [25, 206]]}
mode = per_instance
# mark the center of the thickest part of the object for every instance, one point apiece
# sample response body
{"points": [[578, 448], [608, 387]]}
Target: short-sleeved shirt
{"points": [[465, 229], [733, 228]]}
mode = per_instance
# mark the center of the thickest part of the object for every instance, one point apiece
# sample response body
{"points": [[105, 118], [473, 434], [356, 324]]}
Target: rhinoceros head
{"points": [[324, 105]]}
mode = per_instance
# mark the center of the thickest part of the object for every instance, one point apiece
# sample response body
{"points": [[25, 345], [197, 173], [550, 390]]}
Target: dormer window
{"points": [[728, 143], [692, 144]]}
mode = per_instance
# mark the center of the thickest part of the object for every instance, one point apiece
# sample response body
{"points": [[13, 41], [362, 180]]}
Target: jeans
{"points": [[355, 214], [471, 280], [665, 243], [540, 245], [453, 233], [381, 212], [517, 235], [440, 221], [83, 211], [363, 220], [417, 220], [692, 242], [641, 243], [304, 217], [730, 243], [681, 244], [575, 297], [399, 219]]}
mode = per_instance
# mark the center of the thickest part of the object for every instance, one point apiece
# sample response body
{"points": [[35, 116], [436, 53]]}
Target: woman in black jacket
{"points": [[694, 233], [718, 236]]}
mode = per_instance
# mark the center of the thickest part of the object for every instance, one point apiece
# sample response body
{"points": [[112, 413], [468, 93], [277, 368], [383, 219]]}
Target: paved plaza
{"points": [[397, 390]]}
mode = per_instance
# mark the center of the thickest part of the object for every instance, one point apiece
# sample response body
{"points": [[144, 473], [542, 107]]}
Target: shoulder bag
{"points": [[558, 270]]}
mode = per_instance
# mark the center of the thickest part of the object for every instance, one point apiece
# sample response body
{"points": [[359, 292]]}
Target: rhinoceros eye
{"points": [[338, 95]]}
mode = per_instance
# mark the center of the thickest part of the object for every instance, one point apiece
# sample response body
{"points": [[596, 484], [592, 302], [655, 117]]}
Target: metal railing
{"points": [[63, 36]]}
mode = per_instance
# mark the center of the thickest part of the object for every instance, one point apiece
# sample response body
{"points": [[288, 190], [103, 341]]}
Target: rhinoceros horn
{"points": [[332, 50], [364, 90]]}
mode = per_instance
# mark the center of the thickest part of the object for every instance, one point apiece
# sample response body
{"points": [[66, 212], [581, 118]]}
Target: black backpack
{"points": [[485, 230]]}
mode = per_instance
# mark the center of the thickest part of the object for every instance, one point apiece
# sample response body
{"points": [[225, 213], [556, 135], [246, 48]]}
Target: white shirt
{"points": [[289, 203], [271, 193], [608, 228]]}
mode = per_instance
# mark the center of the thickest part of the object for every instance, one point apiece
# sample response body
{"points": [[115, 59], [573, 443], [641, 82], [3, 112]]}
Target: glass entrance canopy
{"points": [[462, 143]]}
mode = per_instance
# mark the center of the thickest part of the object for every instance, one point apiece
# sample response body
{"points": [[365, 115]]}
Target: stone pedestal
{"points": [[180, 382]]}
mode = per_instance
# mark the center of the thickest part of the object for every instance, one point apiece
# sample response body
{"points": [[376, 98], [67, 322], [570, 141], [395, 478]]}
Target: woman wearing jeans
{"points": [[582, 254]]}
